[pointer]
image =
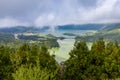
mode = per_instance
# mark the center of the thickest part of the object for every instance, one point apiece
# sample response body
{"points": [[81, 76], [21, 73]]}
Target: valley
{"points": [[60, 41], [61, 47]]}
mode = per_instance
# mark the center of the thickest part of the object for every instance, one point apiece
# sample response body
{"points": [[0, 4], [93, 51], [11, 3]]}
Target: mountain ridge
{"points": [[21, 29]]}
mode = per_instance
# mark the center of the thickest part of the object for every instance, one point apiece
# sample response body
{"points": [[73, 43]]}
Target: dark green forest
{"points": [[34, 62]]}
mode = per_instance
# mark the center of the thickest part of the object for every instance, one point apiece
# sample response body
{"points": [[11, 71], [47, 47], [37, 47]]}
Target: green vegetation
{"points": [[34, 62], [108, 35], [30, 37], [6, 38], [49, 40], [27, 63], [9, 38], [69, 34], [102, 62]]}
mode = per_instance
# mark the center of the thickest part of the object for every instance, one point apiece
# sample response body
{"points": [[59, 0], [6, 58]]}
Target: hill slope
{"points": [[109, 33]]}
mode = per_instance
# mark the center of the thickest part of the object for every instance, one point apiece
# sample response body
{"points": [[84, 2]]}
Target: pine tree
{"points": [[77, 63], [5, 64]]}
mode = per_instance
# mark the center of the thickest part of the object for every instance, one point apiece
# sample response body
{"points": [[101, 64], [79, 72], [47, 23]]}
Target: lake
{"points": [[66, 45], [62, 53]]}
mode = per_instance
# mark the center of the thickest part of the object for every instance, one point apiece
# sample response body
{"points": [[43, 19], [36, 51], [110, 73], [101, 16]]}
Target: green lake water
{"points": [[62, 53], [66, 45]]}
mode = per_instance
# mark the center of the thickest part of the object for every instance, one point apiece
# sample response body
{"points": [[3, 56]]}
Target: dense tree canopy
{"points": [[34, 62], [101, 62], [27, 63]]}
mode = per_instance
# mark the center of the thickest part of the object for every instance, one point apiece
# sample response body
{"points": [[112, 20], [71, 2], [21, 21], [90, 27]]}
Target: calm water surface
{"points": [[66, 45]]}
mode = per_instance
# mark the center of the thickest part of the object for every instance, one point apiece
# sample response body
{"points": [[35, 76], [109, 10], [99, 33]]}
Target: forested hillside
{"points": [[23, 29], [103, 26], [6, 37], [34, 62], [109, 32]]}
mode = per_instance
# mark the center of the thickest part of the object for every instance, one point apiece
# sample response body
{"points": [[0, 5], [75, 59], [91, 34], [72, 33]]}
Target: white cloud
{"points": [[10, 22], [104, 12], [45, 20], [71, 13], [58, 12]]}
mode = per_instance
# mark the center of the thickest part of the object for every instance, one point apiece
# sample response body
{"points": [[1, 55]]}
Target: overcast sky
{"points": [[41, 13]]}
